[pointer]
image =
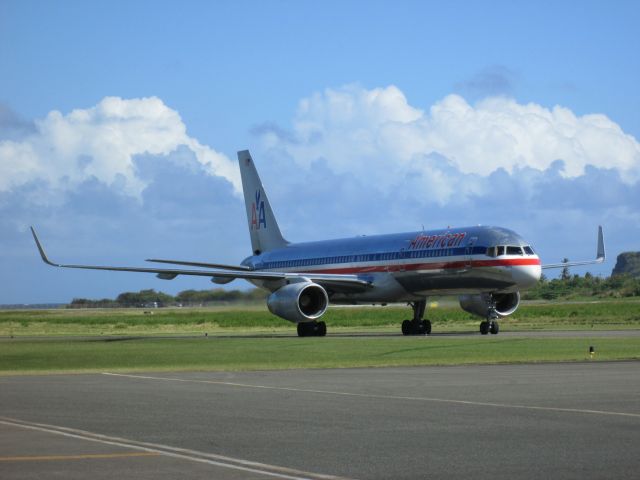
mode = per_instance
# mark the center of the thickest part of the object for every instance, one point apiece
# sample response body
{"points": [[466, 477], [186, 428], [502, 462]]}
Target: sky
{"points": [[120, 122]]}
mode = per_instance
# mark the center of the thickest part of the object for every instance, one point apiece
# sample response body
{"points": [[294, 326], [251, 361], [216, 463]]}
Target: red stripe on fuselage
{"points": [[429, 266]]}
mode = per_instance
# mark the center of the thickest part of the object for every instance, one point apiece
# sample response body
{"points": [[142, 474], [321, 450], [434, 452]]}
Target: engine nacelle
{"points": [[299, 302], [506, 303]]}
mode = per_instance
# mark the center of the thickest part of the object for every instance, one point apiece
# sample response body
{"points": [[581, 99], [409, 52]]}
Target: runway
{"points": [[571, 420]]}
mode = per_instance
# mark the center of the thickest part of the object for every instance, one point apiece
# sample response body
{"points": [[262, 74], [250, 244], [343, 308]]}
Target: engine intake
{"points": [[506, 303], [299, 302]]}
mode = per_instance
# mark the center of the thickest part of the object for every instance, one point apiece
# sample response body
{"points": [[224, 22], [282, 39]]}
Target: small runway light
{"points": [[592, 351]]}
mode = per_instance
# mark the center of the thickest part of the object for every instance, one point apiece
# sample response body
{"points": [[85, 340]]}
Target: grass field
{"points": [[592, 315], [96, 340], [283, 353]]}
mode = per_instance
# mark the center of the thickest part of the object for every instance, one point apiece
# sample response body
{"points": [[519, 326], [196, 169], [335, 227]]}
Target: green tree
{"points": [[565, 275]]}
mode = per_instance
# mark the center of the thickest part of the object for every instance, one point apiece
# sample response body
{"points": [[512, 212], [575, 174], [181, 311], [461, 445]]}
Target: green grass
{"points": [[19, 354], [49, 356], [446, 317]]}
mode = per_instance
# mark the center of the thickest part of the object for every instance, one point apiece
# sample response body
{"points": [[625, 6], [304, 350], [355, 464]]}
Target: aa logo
{"points": [[258, 218]]}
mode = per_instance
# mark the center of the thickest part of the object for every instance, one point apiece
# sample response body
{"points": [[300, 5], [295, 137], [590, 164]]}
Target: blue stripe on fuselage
{"points": [[370, 257], [383, 249]]}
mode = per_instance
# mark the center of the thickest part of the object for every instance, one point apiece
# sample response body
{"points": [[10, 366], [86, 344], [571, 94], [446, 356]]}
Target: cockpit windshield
{"points": [[500, 250]]}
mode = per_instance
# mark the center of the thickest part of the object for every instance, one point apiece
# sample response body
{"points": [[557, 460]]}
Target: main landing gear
{"points": [[417, 326], [312, 329], [490, 325]]}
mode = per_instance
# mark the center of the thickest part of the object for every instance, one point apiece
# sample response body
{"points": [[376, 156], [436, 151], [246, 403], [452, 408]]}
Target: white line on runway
{"points": [[382, 397], [182, 453]]}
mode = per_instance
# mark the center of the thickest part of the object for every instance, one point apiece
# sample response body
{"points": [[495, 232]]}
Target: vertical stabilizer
{"points": [[263, 228]]}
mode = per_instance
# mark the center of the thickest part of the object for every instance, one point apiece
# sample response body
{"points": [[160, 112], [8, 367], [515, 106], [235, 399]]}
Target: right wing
{"points": [[336, 282], [600, 255]]}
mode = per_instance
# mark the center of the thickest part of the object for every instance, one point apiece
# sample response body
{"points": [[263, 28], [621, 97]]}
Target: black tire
{"points": [[407, 328], [427, 327], [484, 328], [322, 329], [416, 327], [494, 328], [302, 329]]}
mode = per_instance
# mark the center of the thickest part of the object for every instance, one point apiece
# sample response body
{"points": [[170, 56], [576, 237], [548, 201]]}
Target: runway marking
{"points": [[384, 397], [90, 456], [174, 452]]}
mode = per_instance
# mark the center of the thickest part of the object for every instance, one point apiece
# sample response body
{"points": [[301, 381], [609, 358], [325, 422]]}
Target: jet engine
{"points": [[505, 303], [299, 302]]}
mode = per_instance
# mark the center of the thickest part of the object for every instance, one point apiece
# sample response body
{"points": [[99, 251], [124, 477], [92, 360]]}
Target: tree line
{"points": [[575, 286], [187, 298], [565, 287]]}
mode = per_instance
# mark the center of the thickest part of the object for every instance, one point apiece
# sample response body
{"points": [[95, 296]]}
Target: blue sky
{"points": [[119, 124]]}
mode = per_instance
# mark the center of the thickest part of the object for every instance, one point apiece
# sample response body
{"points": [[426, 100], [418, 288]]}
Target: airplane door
{"points": [[469, 252]]}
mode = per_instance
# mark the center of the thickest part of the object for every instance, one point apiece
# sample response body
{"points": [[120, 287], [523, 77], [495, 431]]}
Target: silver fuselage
{"points": [[411, 266]]}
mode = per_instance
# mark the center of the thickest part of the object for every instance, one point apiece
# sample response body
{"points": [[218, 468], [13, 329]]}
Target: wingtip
{"points": [[43, 255], [600, 254]]}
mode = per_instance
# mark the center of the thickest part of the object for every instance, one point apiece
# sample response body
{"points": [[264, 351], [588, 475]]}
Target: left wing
{"points": [[200, 264], [336, 282], [600, 255]]}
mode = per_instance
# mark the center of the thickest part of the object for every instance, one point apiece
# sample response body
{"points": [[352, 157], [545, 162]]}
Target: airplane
{"points": [[486, 267]]}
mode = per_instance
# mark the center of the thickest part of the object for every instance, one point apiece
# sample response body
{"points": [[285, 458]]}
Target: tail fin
{"points": [[263, 228]]}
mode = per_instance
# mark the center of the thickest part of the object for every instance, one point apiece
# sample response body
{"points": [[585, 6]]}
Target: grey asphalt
{"points": [[571, 420], [35, 454]]}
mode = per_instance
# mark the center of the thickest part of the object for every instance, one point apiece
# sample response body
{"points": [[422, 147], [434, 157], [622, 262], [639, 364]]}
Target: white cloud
{"points": [[356, 161], [377, 135], [102, 142], [500, 133]]}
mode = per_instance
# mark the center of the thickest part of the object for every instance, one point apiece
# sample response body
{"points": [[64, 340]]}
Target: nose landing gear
{"points": [[417, 326], [490, 325]]}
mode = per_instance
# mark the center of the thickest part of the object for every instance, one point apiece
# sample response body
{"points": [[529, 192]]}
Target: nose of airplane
{"points": [[526, 276]]}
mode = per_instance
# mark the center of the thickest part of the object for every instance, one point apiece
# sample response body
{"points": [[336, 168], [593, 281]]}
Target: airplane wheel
{"points": [[484, 328], [494, 328], [312, 329], [302, 330], [418, 327], [322, 329], [406, 327], [427, 326]]}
